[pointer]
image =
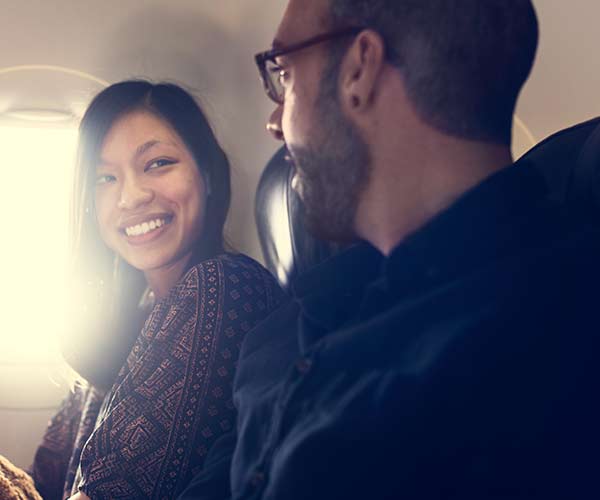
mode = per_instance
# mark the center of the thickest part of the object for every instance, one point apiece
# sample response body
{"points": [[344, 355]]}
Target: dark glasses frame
{"points": [[270, 55]]}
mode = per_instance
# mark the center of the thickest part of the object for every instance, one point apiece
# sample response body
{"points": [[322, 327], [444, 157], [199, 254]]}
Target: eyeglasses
{"points": [[270, 71]]}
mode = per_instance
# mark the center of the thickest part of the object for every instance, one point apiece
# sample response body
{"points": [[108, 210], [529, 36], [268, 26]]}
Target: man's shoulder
{"points": [[528, 294], [270, 347], [277, 328], [574, 247]]}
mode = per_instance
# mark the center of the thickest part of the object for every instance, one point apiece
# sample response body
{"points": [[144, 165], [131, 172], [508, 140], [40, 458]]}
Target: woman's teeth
{"points": [[144, 228]]}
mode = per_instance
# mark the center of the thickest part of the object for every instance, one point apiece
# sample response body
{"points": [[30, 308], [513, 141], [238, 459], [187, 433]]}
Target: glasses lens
{"points": [[272, 74]]}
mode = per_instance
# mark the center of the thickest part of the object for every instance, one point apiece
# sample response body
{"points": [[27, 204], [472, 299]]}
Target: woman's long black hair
{"points": [[105, 318]]}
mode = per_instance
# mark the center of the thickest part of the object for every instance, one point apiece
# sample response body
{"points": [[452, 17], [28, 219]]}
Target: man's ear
{"points": [[361, 69]]}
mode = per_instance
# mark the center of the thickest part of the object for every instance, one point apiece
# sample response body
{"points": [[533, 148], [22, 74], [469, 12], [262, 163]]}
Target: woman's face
{"points": [[150, 196]]}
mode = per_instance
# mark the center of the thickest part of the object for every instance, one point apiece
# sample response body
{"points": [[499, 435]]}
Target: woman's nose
{"points": [[134, 194]]}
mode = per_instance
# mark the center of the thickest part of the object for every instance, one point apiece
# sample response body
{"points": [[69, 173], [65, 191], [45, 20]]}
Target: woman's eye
{"points": [[105, 179], [161, 162]]}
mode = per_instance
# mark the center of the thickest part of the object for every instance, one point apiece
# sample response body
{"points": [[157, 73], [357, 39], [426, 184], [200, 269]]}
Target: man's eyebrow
{"points": [[277, 44]]}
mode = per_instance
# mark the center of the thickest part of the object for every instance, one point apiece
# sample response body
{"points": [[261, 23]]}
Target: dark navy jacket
{"points": [[464, 365]]}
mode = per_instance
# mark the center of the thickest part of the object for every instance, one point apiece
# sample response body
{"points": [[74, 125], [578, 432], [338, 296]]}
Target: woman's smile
{"points": [[147, 231]]}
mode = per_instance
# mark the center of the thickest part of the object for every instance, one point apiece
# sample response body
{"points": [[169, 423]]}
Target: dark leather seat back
{"points": [[288, 248], [570, 162]]}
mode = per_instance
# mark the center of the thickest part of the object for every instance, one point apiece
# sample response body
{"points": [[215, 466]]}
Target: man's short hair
{"points": [[463, 61]]}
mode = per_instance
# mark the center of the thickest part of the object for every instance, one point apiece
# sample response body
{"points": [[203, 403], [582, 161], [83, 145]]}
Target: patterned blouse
{"points": [[172, 399]]}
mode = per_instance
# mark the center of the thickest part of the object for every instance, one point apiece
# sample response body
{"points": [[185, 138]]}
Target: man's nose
{"points": [[274, 124], [134, 194]]}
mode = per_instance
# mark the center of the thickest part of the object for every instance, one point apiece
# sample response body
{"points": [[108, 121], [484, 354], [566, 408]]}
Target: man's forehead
{"points": [[302, 19]]}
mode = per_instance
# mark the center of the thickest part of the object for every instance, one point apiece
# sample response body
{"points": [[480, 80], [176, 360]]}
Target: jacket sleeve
{"points": [[173, 398], [49, 468], [213, 481]]}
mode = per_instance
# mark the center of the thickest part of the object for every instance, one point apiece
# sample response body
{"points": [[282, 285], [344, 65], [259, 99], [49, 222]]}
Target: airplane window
{"points": [[35, 184]]}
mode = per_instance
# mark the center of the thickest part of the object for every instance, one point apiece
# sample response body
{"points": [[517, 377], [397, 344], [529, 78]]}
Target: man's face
{"points": [[330, 156]]}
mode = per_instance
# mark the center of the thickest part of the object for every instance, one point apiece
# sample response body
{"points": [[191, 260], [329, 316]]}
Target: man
{"points": [[452, 353]]}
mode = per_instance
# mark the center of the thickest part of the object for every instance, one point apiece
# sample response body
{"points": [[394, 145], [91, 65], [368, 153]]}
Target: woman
{"points": [[152, 194]]}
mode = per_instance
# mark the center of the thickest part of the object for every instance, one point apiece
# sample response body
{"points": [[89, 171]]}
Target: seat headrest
{"points": [[570, 162], [288, 248], [585, 183]]}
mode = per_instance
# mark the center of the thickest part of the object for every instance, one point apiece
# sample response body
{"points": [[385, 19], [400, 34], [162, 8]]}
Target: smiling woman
{"points": [[159, 308]]}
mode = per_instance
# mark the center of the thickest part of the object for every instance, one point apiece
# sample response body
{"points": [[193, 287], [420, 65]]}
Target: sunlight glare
{"points": [[34, 202]]}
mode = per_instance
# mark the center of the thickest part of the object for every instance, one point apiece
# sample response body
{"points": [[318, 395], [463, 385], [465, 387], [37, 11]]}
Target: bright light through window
{"points": [[35, 187]]}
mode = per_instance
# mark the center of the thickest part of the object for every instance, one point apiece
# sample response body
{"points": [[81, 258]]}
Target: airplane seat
{"points": [[570, 162], [288, 248]]}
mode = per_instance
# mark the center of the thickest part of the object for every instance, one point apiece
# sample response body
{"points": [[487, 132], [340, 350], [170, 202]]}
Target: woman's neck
{"points": [[161, 280]]}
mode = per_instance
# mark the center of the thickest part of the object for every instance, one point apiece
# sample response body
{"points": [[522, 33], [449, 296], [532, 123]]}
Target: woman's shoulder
{"points": [[236, 262], [229, 293], [233, 273], [235, 268]]}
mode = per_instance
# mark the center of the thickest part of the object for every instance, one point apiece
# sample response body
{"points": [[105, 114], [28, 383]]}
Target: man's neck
{"points": [[409, 188]]}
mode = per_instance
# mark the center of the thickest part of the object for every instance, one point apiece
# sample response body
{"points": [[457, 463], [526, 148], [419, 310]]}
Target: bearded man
{"points": [[450, 352]]}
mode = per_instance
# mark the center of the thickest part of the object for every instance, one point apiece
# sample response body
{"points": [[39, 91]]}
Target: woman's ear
{"points": [[360, 71]]}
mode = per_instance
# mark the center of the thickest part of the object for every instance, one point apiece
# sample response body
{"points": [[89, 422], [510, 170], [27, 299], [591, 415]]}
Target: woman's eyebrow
{"points": [[140, 150]]}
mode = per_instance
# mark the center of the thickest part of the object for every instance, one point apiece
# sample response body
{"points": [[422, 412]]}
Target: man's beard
{"points": [[334, 170]]}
